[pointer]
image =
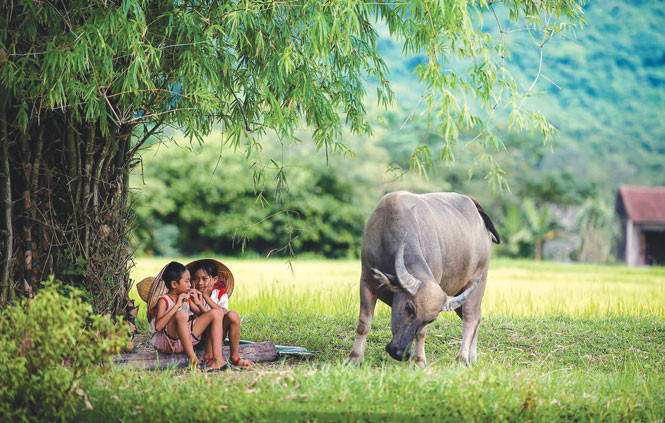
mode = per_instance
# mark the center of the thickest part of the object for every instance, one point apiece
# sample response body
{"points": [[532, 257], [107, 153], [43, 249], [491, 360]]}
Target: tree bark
{"points": [[97, 173], [32, 211], [6, 189], [87, 177], [27, 240], [73, 218]]}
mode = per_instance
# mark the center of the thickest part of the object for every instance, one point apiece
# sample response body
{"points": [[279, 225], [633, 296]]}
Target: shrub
{"points": [[47, 343]]}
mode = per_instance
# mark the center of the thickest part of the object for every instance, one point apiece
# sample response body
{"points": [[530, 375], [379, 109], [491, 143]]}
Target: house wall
{"points": [[633, 245]]}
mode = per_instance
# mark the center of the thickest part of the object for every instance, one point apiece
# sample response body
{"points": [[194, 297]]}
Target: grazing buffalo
{"points": [[422, 254]]}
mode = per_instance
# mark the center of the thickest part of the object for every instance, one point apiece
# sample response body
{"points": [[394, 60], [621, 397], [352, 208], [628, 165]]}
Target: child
{"points": [[171, 328], [206, 279]]}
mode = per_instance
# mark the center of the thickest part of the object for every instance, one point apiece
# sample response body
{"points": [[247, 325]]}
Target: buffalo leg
{"points": [[469, 328], [367, 306], [473, 352], [470, 313], [419, 356]]}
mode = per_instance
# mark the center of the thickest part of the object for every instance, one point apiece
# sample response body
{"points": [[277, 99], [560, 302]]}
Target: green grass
{"points": [[574, 342], [334, 392]]}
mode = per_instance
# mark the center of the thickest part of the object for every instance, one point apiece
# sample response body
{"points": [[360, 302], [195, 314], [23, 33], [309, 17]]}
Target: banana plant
{"points": [[515, 233], [598, 229], [541, 225]]}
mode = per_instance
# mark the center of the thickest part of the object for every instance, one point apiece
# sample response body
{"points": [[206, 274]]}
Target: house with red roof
{"points": [[642, 214]]}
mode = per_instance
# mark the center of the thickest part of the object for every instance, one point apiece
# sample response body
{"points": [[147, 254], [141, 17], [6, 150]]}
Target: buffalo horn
{"points": [[406, 279], [452, 303]]}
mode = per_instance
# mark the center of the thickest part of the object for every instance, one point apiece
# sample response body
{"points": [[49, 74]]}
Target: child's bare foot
{"points": [[241, 362]]}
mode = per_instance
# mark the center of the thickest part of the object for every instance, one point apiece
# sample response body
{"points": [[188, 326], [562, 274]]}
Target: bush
{"points": [[47, 343]]}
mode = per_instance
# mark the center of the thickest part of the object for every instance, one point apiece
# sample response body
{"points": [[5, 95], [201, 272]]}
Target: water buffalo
{"points": [[417, 251]]}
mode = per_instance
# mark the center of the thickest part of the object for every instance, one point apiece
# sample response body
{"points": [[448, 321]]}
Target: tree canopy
{"points": [[84, 85]]}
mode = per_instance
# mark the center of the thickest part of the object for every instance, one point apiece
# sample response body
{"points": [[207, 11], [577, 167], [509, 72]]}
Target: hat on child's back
{"points": [[223, 272], [156, 289], [143, 287]]}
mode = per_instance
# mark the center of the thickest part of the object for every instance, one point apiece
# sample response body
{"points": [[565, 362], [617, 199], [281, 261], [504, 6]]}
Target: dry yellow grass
{"points": [[515, 288]]}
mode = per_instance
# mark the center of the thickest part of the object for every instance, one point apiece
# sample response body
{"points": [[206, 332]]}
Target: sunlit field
{"points": [[558, 342], [516, 288]]}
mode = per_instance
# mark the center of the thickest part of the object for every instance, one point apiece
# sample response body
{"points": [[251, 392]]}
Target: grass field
{"points": [[514, 289], [558, 342]]}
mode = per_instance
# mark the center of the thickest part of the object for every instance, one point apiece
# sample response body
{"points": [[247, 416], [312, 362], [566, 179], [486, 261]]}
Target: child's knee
{"points": [[233, 316], [217, 313]]}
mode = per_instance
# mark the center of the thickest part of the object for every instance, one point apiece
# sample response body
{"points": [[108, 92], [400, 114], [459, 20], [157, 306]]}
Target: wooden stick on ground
{"points": [[151, 360]]}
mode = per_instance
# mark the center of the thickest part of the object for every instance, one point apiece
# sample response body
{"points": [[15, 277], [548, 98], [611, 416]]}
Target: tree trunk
{"points": [[6, 290], [74, 218], [539, 249]]}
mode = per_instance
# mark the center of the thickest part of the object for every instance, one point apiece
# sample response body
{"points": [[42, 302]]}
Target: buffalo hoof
{"points": [[463, 361], [420, 361], [353, 360]]}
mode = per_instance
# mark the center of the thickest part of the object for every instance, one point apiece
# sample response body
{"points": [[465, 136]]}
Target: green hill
{"points": [[609, 107]]}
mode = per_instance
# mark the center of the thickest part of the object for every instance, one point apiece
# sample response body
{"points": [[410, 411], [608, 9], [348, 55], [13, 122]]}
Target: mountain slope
{"points": [[609, 107]]}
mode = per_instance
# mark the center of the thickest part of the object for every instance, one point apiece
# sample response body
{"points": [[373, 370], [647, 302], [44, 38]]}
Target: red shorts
{"points": [[165, 343]]}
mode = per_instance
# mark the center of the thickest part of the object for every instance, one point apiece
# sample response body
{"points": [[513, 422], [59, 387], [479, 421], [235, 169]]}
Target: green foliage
{"points": [[256, 67], [516, 238], [200, 201], [47, 344], [540, 223], [87, 84]]}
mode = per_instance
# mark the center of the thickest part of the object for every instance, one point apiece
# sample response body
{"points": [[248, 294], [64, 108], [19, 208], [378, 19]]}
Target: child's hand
{"points": [[208, 291], [182, 298], [196, 297]]}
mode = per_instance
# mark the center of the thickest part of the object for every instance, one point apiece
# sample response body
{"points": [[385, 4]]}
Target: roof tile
{"points": [[644, 204]]}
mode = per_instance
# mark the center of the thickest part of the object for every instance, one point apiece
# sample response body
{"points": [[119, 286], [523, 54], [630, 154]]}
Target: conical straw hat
{"points": [[223, 272], [143, 288], [157, 289]]}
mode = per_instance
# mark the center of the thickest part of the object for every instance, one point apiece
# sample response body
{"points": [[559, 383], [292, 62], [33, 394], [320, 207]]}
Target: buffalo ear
{"points": [[386, 279]]}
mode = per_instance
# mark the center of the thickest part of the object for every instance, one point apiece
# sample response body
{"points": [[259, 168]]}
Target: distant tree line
{"points": [[199, 199]]}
